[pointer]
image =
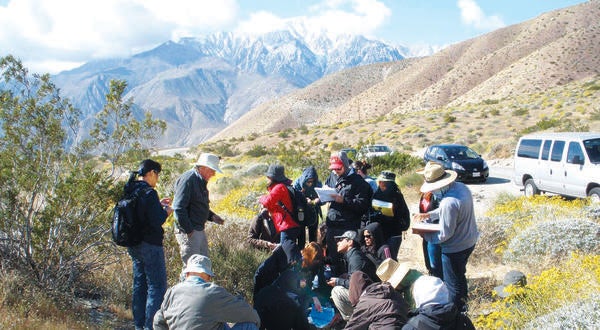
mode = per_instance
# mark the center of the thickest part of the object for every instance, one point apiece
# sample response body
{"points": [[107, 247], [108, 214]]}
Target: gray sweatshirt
{"points": [[457, 218], [196, 304]]}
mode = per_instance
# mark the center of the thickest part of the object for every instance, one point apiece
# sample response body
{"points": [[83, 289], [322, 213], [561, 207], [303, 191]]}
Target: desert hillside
{"points": [[533, 57]]}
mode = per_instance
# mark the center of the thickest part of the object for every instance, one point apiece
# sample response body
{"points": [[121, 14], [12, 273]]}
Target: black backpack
{"points": [[301, 213], [126, 227]]}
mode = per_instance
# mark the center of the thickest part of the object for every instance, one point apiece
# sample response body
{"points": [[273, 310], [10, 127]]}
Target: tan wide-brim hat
{"points": [[399, 275], [436, 177], [209, 160]]}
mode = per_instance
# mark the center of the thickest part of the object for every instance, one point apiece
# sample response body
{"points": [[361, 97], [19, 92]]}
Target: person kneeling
{"points": [[197, 303], [434, 310]]}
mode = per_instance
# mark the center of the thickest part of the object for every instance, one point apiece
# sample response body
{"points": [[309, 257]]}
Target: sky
{"points": [[56, 35]]}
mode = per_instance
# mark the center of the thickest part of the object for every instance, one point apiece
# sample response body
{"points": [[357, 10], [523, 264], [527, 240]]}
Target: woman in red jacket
{"points": [[278, 203]]}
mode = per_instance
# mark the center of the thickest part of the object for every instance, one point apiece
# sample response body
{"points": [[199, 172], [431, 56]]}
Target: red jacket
{"points": [[281, 218]]}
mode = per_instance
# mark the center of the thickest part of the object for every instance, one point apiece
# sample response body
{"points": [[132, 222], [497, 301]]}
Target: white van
{"points": [[567, 164]]}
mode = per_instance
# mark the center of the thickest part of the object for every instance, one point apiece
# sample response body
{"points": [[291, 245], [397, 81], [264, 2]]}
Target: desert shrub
{"points": [[224, 184], [410, 180], [257, 151], [492, 231], [582, 314], [253, 170], [220, 148], [241, 202], [577, 279], [397, 162], [234, 261], [553, 239], [448, 118], [523, 212], [501, 150], [520, 112]]}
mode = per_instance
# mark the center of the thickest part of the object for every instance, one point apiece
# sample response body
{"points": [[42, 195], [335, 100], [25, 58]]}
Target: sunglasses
{"points": [[368, 236]]}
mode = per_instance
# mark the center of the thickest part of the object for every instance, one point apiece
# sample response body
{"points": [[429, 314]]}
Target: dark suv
{"points": [[467, 163]]}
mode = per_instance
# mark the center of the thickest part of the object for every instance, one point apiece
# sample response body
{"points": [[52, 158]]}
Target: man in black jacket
{"points": [[353, 199], [356, 261]]}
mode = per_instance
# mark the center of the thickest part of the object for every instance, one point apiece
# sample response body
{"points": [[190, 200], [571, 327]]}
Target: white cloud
{"points": [[331, 16], [472, 14], [51, 35]]}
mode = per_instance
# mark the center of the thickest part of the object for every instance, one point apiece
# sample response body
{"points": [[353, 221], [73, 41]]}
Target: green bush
{"points": [[397, 162]]}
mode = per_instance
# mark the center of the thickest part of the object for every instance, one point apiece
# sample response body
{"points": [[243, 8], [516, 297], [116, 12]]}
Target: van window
{"points": [[574, 151], [592, 147], [557, 151], [529, 148], [546, 149]]}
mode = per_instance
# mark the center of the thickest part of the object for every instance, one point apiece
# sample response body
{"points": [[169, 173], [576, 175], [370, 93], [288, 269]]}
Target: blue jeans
{"points": [[149, 282], [291, 234], [455, 268], [434, 252]]}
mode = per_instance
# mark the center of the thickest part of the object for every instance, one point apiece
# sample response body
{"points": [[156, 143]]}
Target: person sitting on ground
{"points": [[348, 247], [197, 303], [313, 272], [376, 305], [373, 245], [262, 233], [285, 256], [434, 309], [400, 276], [281, 305]]}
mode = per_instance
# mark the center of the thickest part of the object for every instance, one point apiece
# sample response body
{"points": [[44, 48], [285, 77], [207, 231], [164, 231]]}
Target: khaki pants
{"points": [[341, 299], [197, 243]]}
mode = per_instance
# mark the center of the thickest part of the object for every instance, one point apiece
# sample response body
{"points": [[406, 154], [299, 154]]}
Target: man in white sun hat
{"points": [[191, 207], [458, 233]]}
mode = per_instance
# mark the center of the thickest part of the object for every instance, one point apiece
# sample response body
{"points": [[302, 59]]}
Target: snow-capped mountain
{"points": [[200, 85]]}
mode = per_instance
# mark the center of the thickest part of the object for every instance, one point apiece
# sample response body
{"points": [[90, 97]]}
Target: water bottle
{"points": [[300, 214], [327, 272], [315, 282]]}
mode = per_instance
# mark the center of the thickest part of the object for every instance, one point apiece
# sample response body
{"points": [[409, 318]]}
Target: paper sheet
{"points": [[326, 194]]}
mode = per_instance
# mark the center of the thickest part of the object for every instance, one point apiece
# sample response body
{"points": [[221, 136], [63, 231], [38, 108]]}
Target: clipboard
{"points": [[425, 227]]}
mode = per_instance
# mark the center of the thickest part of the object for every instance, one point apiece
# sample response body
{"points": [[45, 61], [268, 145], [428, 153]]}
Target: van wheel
{"points": [[531, 189], [595, 195]]}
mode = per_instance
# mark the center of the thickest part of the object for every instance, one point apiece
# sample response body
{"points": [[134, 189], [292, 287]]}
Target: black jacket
{"points": [[379, 307], [150, 211], [283, 257], [280, 305], [393, 226], [357, 261], [380, 250], [438, 317], [357, 200]]}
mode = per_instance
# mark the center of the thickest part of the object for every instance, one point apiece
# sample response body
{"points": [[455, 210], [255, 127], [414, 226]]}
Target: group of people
{"points": [[339, 261], [190, 206]]}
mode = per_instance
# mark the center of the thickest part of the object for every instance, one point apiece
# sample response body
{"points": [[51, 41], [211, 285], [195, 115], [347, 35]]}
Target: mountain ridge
{"points": [[200, 85], [531, 56]]}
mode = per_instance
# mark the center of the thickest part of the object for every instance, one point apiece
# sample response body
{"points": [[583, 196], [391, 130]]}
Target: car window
{"points": [[592, 148], [546, 149], [557, 151], [439, 152], [573, 152], [471, 154]]}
